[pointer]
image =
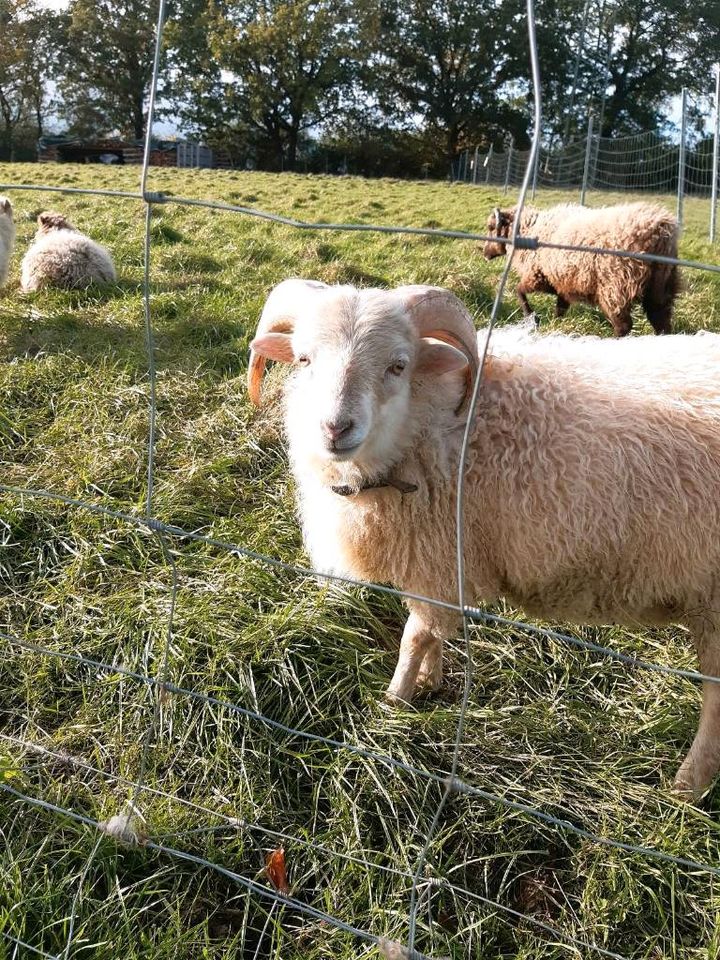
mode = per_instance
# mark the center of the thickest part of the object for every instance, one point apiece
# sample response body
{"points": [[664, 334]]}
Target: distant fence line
{"points": [[641, 162], [644, 162]]}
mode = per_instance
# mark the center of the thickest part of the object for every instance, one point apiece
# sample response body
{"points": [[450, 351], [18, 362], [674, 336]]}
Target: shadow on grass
{"points": [[184, 338], [29, 337]]}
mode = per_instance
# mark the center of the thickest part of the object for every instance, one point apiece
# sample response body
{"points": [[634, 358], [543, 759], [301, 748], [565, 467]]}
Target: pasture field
{"points": [[576, 735]]}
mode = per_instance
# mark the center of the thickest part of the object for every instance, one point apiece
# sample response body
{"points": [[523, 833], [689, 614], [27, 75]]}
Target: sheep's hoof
{"points": [[430, 680], [399, 694], [682, 789], [689, 784]]}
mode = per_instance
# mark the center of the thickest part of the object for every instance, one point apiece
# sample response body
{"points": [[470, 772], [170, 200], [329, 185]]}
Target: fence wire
{"points": [[234, 824], [643, 162], [629, 163]]}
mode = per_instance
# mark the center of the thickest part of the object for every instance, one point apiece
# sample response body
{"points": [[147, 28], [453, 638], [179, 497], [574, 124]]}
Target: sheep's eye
{"points": [[397, 368], [303, 360]]}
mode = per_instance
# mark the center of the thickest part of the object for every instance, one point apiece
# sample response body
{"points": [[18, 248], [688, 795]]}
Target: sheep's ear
{"points": [[436, 358], [274, 346], [50, 220], [5, 206]]}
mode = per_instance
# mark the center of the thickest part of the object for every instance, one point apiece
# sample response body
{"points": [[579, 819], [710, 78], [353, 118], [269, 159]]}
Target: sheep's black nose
{"points": [[335, 430]]}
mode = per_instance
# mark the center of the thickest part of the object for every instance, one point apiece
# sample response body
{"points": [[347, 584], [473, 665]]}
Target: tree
{"points": [[110, 52], [442, 63], [265, 70], [31, 37], [637, 54]]}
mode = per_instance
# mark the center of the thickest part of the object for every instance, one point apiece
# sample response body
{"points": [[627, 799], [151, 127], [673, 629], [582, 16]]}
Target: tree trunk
{"points": [[7, 140], [613, 108], [277, 152], [452, 138], [139, 117], [292, 144]]}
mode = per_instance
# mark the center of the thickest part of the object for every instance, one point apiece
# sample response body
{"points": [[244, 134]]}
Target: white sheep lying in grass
{"points": [[592, 491], [7, 237], [61, 256]]}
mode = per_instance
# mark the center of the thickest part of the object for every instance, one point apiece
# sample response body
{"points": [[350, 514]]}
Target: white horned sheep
{"points": [[592, 491], [7, 237], [611, 283], [61, 256]]}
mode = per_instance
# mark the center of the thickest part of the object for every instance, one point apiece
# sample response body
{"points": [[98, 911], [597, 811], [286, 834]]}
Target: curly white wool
{"points": [[61, 256], [592, 491], [7, 237]]}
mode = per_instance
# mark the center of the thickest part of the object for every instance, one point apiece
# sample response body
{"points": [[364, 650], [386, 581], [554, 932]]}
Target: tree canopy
{"points": [[108, 61], [30, 35], [429, 77]]}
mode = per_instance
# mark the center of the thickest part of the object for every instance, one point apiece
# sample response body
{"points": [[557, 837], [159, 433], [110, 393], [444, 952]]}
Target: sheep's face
{"points": [[499, 224], [354, 355], [350, 391]]}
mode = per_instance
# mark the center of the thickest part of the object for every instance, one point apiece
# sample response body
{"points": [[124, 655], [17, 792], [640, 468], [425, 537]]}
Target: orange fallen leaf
{"points": [[277, 871]]}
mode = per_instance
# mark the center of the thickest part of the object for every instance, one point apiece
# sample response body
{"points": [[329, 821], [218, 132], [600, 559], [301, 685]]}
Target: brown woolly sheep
{"points": [[611, 283]]}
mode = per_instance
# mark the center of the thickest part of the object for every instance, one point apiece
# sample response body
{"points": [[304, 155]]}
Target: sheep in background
{"points": [[611, 283], [7, 237], [592, 490], [61, 256]]}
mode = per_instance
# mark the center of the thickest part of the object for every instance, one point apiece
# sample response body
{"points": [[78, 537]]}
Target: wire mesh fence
{"points": [[643, 162], [634, 164]]}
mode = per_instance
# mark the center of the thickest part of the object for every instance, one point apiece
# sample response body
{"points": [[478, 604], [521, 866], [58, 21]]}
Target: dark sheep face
{"points": [[499, 225]]}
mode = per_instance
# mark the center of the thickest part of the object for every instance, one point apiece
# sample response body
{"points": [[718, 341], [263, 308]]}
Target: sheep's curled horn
{"points": [[435, 312]]}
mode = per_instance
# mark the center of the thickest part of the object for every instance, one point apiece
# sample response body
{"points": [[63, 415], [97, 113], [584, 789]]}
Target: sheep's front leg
{"points": [[431, 669], [561, 306], [420, 660], [702, 763], [527, 309]]}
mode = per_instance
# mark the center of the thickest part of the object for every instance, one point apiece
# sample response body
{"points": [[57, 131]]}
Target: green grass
{"points": [[568, 732]]}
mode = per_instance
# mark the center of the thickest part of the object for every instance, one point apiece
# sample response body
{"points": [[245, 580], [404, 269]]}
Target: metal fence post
{"points": [[588, 154], [475, 166], [507, 168], [681, 158], [488, 163], [535, 173], [716, 156]]}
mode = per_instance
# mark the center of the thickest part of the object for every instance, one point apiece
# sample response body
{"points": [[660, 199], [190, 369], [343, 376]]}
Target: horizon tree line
{"points": [[382, 81]]}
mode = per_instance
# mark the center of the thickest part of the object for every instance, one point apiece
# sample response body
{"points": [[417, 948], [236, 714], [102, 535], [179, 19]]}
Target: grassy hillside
{"points": [[573, 734]]}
